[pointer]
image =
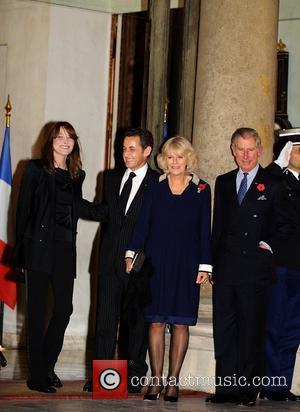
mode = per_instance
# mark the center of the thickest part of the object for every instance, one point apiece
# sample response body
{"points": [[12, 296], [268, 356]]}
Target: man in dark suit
{"points": [[123, 198], [283, 322], [248, 223]]}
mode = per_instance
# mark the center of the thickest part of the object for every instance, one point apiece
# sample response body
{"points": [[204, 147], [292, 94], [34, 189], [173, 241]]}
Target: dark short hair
{"points": [[145, 136], [245, 132]]}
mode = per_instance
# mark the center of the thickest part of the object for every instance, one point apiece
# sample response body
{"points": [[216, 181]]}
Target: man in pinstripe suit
{"points": [[122, 214]]}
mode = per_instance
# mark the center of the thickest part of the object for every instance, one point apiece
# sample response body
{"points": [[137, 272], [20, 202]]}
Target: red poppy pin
{"points": [[260, 187], [201, 187]]}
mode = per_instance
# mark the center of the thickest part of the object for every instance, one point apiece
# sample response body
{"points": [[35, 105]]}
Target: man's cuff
{"points": [[205, 268], [129, 254]]}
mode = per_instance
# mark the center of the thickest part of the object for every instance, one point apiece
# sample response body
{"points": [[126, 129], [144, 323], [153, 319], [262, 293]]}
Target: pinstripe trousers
{"points": [[111, 291]]}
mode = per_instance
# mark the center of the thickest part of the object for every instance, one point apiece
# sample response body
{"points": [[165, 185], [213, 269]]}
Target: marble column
{"points": [[189, 62], [159, 13], [236, 79]]}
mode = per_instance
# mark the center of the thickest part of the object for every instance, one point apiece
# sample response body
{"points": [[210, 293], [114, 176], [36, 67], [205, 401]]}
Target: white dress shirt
{"points": [[136, 182]]}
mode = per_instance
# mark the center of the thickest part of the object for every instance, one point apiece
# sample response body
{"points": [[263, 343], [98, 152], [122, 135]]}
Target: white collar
{"points": [[251, 173], [138, 172], [293, 172]]}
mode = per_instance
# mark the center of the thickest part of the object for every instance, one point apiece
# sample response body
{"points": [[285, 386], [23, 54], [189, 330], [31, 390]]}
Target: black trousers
{"points": [[44, 343], [283, 329], [239, 335], [111, 290]]}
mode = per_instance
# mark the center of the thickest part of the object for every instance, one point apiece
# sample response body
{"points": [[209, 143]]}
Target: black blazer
{"points": [[288, 253], [238, 229], [117, 229], [36, 218]]}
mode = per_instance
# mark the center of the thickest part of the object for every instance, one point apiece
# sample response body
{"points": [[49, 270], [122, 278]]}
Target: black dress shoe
{"points": [[292, 397], [88, 386], [40, 387], [267, 395], [280, 396], [247, 400], [221, 398], [54, 380]]}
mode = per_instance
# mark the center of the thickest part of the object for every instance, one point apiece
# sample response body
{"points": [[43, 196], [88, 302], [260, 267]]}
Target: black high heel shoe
{"points": [[153, 396], [172, 398]]}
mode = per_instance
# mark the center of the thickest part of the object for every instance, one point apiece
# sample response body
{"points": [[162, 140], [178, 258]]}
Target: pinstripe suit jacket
{"points": [[117, 229]]}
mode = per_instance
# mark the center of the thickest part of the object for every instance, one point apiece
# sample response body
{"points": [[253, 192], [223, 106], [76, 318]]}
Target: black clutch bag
{"points": [[138, 261]]}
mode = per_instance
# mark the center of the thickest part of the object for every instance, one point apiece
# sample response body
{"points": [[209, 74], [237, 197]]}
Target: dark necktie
{"points": [[243, 188], [123, 199]]}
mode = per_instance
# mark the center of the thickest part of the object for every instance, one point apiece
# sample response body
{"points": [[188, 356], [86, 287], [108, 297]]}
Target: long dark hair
{"points": [[73, 160]]}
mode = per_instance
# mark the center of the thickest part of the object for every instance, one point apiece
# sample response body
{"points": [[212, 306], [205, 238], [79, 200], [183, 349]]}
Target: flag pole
{"points": [[8, 108], [3, 362]]}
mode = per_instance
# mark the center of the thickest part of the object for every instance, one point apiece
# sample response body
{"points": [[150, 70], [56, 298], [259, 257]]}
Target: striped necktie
{"points": [[243, 188]]}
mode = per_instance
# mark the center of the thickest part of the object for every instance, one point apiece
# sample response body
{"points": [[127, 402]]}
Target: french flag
{"points": [[8, 288]]}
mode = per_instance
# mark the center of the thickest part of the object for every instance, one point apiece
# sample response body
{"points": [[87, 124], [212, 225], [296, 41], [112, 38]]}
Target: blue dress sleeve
{"points": [[205, 227]]}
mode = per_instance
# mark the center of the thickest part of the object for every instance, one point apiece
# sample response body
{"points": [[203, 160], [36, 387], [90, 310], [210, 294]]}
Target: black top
{"points": [[63, 205], [36, 217]]}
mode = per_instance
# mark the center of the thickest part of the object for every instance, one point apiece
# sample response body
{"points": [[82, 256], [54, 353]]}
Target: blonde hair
{"points": [[182, 146]]}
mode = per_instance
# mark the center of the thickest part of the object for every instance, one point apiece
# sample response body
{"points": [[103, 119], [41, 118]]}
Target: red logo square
{"points": [[110, 379]]}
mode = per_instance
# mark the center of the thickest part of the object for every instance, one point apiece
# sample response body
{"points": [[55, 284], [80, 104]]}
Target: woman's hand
{"points": [[128, 263], [202, 278]]}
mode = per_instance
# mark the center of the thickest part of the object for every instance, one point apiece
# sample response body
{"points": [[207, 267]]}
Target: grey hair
{"points": [[245, 132]]}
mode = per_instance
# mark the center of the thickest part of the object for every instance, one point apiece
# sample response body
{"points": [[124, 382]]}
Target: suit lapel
{"points": [[231, 189], [252, 191], [140, 192], [116, 188]]}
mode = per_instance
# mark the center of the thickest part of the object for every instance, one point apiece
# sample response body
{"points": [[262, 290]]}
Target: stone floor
{"points": [[185, 405], [14, 396]]}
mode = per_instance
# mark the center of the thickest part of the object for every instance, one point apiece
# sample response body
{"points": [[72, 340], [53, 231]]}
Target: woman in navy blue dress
{"points": [[174, 231]]}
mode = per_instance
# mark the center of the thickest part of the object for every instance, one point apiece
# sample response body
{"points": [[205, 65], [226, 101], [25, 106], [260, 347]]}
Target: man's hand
{"points": [[128, 263], [202, 277], [264, 245], [285, 154]]}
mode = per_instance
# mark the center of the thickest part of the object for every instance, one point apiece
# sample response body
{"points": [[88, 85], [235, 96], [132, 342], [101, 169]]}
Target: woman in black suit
{"points": [[46, 247]]}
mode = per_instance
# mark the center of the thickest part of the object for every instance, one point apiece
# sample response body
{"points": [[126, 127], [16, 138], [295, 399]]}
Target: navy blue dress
{"points": [[175, 233]]}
